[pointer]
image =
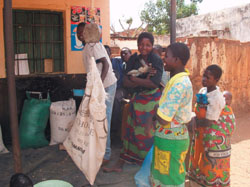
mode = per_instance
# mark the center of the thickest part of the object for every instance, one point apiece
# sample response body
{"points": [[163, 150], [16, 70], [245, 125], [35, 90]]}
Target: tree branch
{"points": [[121, 25], [112, 28]]}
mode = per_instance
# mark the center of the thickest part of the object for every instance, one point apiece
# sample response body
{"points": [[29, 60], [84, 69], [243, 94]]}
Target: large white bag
{"points": [[62, 116], [2, 147], [86, 142]]}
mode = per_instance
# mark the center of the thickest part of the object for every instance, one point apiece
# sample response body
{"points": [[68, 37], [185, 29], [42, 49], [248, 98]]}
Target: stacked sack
{"points": [[62, 116], [34, 118]]}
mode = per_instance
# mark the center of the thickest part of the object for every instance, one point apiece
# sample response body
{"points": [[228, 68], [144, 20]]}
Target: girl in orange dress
{"points": [[210, 155]]}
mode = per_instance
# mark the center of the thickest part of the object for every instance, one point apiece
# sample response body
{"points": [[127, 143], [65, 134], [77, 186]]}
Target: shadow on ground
{"points": [[50, 163]]}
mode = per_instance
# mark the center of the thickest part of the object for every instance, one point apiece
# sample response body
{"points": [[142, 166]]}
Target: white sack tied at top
{"points": [[86, 142]]}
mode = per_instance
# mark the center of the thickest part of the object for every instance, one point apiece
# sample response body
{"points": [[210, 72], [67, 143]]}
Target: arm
{"points": [[147, 83], [154, 76], [151, 122], [161, 121], [105, 67], [155, 72], [128, 83], [130, 65], [156, 117], [191, 125]]}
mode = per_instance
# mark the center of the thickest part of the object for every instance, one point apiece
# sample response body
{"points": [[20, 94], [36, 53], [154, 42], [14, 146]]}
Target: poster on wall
{"points": [[93, 15], [82, 14]]}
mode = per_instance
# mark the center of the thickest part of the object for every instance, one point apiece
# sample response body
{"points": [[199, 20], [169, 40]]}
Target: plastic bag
{"points": [[142, 176]]}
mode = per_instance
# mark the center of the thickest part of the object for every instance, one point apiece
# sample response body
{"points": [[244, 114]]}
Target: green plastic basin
{"points": [[53, 183]]}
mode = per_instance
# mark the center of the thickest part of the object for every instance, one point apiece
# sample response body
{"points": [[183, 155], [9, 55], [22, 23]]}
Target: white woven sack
{"points": [[86, 142], [2, 147], [62, 116]]}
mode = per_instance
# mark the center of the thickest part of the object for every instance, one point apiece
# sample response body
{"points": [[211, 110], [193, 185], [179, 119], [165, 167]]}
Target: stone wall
{"points": [[232, 56], [231, 23]]}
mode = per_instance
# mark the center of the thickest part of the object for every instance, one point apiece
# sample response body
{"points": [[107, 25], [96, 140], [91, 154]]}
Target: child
{"points": [[20, 180], [171, 139], [228, 97], [90, 35], [210, 156]]}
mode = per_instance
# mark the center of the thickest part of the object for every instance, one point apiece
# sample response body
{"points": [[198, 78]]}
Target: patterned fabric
{"points": [[175, 104], [135, 143], [171, 146], [172, 142], [210, 155]]}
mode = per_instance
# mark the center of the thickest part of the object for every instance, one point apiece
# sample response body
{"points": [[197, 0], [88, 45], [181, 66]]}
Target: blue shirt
{"points": [[117, 65]]}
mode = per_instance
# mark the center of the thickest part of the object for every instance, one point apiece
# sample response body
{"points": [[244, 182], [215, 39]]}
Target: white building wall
{"points": [[232, 23]]}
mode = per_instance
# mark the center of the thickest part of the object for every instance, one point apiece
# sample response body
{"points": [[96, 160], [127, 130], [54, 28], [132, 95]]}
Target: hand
{"points": [[147, 132], [132, 81], [133, 78], [156, 107], [191, 125], [152, 71], [149, 127]]}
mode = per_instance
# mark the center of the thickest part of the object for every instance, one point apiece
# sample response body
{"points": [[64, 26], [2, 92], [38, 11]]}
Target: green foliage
{"points": [[157, 15], [129, 21]]}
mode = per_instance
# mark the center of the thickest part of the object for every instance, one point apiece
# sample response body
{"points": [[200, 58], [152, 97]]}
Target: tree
{"points": [[127, 22], [157, 15]]}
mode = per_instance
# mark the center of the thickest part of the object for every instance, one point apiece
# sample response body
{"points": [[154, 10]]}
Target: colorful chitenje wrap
{"points": [[210, 154], [136, 143], [171, 145]]}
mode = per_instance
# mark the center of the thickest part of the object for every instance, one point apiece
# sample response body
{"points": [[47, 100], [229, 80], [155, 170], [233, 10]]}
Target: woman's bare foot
{"points": [[61, 147], [115, 168]]}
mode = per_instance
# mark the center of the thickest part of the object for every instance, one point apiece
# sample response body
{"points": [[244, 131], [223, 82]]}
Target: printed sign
{"points": [[82, 14]]}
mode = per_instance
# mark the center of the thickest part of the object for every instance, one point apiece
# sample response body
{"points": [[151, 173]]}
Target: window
{"points": [[38, 41]]}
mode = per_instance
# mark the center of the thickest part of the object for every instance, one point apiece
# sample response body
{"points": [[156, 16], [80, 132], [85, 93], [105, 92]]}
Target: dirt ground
{"points": [[240, 159], [50, 163]]}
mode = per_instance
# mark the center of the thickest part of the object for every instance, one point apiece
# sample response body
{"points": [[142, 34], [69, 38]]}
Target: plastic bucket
{"points": [[53, 183]]}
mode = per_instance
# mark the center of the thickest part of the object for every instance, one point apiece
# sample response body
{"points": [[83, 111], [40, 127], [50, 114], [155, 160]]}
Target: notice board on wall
{"points": [[82, 14]]}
